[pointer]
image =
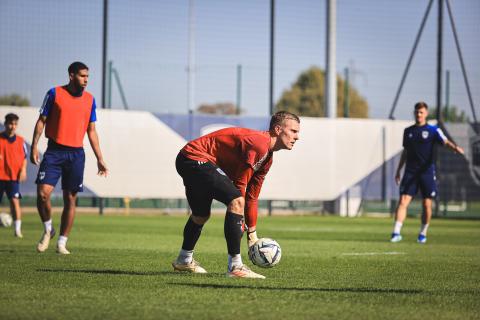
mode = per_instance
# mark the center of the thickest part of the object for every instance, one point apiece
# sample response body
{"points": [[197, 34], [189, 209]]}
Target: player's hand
{"points": [[34, 157], [22, 175], [102, 168], [397, 178], [459, 150]]}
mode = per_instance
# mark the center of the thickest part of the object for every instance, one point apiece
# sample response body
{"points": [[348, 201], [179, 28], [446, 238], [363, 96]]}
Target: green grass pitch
{"points": [[332, 268]]}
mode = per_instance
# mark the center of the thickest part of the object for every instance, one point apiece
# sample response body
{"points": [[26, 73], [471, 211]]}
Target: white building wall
{"points": [[140, 150]]}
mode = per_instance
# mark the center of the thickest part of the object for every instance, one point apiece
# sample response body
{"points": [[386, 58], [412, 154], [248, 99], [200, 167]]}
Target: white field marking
{"points": [[371, 253]]}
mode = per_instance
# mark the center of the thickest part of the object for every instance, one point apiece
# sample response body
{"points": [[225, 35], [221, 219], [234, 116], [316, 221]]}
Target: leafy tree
{"points": [[452, 114], [306, 97], [218, 108], [14, 100]]}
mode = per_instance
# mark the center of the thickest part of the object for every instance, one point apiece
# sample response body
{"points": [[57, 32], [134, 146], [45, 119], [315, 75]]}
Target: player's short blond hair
{"points": [[279, 117]]}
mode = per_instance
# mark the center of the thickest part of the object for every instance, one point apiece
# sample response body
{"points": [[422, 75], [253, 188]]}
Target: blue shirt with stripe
{"points": [[419, 142]]}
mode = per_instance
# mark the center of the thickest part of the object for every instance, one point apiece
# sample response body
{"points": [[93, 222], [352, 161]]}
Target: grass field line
{"points": [[371, 253]]}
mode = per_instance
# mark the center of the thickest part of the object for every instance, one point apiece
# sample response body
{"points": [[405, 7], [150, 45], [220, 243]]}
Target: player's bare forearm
{"points": [[37, 133], [95, 144], [452, 146], [22, 175], [94, 141], [403, 158]]}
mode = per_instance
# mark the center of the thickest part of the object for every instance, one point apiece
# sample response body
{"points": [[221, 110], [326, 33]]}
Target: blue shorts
{"points": [[11, 188], [68, 164], [425, 181]]}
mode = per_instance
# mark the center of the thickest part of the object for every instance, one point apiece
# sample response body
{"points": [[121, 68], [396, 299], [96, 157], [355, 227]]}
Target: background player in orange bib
{"points": [[229, 165], [67, 113], [13, 168]]}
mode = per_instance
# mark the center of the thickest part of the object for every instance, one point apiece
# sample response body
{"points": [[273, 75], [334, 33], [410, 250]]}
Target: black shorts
{"points": [[204, 182]]}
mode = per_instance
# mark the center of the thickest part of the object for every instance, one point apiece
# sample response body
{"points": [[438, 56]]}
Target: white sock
{"points": [[423, 229], [62, 241], [234, 261], [185, 256], [18, 225], [397, 227], [48, 225]]}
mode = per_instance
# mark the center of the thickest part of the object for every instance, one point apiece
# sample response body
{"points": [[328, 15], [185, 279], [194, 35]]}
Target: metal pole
{"points": [[331, 77], [104, 51], [384, 164], [439, 90], [191, 57], [346, 95], [439, 59], [462, 64], [447, 94], [120, 89], [109, 85], [239, 88], [410, 58], [272, 53]]}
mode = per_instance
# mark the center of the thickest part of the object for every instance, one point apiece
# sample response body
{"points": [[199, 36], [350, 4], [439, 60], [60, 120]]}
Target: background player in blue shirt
{"points": [[419, 141]]}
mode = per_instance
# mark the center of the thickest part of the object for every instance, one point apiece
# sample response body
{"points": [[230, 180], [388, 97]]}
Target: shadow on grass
{"points": [[355, 290], [124, 272]]}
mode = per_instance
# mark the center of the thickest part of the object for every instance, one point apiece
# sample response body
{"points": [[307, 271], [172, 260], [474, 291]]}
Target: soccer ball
{"points": [[5, 220], [265, 253]]}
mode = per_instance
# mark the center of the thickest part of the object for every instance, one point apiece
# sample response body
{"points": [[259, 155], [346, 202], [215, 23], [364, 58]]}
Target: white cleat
{"points": [[396, 237], [243, 272], [62, 250], [192, 267], [18, 234], [45, 240]]}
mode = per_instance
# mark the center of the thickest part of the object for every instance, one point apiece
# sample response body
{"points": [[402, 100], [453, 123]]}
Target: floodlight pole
{"points": [[239, 89], [331, 75], [439, 60], [104, 52], [191, 58], [272, 54]]}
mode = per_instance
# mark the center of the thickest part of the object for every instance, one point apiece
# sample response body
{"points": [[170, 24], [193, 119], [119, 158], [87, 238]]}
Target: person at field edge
{"points": [[67, 113], [418, 154], [229, 165], [13, 168]]}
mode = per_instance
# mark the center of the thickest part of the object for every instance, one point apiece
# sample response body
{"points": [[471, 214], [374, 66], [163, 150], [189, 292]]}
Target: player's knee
{"points": [[237, 205], [200, 220], [43, 196]]}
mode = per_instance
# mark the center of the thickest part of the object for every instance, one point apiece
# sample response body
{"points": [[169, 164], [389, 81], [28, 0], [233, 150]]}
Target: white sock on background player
{"points": [[423, 229], [48, 225], [18, 226], [397, 227], [62, 241]]}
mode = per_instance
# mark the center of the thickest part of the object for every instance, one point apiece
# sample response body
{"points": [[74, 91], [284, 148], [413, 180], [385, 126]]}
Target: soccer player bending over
{"points": [[418, 154], [229, 165], [13, 168], [67, 113]]}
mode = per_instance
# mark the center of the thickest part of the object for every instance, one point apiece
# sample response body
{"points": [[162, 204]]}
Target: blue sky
{"points": [[148, 45]]}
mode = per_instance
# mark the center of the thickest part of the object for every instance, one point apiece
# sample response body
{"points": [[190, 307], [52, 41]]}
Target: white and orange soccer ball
{"points": [[265, 253]]}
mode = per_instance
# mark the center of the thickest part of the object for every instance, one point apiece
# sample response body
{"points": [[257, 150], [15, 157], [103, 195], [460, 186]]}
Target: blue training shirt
{"points": [[419, 142], [50, 99]]}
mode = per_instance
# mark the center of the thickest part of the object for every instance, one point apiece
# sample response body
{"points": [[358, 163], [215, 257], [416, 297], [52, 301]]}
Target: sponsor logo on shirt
{"points": [[258, 165], [424, 134]]}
